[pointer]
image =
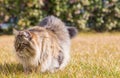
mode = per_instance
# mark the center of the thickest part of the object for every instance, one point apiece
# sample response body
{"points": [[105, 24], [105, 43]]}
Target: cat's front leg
{"points": [[27, 69]]}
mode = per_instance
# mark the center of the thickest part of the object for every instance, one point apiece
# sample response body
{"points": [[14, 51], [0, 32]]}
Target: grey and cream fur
{"points": [[45, 47]]}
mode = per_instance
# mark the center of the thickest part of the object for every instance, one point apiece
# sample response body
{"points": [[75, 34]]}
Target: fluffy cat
{"points": [[45, 47]]}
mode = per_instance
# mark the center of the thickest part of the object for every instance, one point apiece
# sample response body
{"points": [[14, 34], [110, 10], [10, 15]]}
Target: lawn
{"points": [[93, 55]]}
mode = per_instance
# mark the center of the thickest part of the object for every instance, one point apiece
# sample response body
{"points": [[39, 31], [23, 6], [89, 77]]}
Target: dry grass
{"points": [[92, 56]]}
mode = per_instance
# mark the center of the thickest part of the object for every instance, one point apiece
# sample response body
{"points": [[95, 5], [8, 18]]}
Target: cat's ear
{"points": [[15, 32], [27, 34]]}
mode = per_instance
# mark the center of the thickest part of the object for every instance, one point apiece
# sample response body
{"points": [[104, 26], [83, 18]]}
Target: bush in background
{"points": [[86, 15], [23, 13]]}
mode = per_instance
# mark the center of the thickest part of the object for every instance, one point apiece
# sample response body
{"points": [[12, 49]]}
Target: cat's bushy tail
{"points": [[72, 31], [58, 27]]}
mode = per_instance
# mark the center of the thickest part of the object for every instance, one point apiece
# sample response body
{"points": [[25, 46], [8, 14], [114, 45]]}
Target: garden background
{"points": [[86, 15]]}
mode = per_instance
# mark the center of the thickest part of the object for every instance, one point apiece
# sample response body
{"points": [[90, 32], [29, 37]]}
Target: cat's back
{"points": [[37, 29], [43, 32]]}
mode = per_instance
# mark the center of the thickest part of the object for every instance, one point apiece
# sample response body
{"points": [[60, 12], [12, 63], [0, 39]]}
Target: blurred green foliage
{"points": [[86, 15], [26, 12]]}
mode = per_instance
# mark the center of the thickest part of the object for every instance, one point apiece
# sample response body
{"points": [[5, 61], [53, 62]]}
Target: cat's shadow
{"points": [[10, 68]]}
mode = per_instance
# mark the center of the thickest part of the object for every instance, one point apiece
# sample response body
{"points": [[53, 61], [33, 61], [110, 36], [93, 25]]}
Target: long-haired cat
{"points": [[44, 48]]}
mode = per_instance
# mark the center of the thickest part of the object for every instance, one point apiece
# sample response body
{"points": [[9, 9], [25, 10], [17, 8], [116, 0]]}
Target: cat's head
{"points": [[24, 42], [23, 35]]}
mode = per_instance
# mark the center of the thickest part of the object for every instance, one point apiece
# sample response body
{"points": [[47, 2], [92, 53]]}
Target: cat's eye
{"points": [[24, 44]]}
